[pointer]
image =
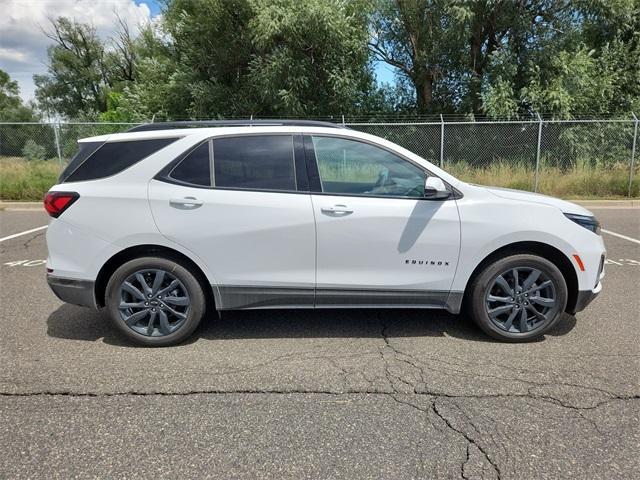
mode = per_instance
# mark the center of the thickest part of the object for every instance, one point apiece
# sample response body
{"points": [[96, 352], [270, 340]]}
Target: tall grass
{"points": [[580, 181], [22, 179]]}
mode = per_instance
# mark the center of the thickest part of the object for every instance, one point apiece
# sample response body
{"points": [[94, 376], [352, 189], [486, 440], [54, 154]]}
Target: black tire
{"points": [[487, 286], [187, 286]]}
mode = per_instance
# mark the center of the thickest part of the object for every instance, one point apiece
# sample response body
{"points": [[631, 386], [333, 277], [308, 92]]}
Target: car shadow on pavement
{"points": [[77, 323]]}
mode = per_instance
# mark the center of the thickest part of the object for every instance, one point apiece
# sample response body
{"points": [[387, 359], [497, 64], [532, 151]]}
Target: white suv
{"points": [[159, 224]]}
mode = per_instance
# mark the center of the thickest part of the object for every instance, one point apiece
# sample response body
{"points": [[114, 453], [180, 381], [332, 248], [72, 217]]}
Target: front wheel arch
{"points": [[533, 248]]}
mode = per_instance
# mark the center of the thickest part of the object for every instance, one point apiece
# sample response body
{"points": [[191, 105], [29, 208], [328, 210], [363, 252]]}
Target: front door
{"points": [[380, 242]]}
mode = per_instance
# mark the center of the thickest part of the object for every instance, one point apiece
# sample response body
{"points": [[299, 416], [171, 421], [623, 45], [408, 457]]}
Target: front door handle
{"points": [[186, 202], [337, 209]]}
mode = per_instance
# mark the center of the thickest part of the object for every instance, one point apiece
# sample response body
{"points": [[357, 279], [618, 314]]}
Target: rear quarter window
{"points": [[85, 149], [112, 158]]}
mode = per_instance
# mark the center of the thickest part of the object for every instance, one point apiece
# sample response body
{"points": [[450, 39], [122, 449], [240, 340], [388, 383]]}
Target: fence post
{"points": [[633, 150], [56, 134], [441, 141], [535, 188]]}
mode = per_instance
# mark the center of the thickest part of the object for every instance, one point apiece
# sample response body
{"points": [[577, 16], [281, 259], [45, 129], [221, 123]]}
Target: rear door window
{"points": [[255, 162], [114, 157]]}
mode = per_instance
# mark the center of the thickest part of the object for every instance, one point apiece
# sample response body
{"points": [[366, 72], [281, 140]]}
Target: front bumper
{"points": [[70, 290], [585, 297]]}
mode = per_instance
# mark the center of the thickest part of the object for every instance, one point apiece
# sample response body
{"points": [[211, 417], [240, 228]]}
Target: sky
{"points": [[23, 45]]}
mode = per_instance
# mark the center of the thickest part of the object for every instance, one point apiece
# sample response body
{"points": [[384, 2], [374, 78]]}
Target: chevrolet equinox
{"points": [[166, 221]]}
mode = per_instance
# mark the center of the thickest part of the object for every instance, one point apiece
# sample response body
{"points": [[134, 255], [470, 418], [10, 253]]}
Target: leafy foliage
{"points": [[12, 109], [33, 151], [77, 75], [286, 57], [311, 57], [83, 69], [505, 58], [226, 58]]}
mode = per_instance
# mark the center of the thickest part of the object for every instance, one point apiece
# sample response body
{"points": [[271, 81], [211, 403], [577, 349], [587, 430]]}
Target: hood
{"points": [[522, 196]]}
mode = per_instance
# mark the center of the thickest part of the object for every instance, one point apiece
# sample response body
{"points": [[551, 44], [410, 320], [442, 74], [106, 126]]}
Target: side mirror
{"points": [[435, 189]]}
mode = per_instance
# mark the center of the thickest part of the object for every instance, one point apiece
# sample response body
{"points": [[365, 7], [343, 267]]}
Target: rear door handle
{"points": [[186, 202], [340, 209]]}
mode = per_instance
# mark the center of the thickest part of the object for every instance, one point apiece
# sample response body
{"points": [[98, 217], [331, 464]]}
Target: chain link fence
{"points": [[588, 158]]}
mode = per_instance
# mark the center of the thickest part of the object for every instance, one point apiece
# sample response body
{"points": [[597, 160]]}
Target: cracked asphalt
{"points": [[317, 394]]}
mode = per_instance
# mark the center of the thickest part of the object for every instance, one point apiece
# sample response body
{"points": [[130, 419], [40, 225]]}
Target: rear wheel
{"points": [[155, 301], [518, 298]]}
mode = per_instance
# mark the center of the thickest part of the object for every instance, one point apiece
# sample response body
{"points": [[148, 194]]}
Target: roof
{"points": [[230, 123], [207, 131]]}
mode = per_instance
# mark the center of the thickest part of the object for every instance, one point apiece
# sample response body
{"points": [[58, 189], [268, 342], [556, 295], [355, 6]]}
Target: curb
{"points": [[21, 206], [607, 203]]}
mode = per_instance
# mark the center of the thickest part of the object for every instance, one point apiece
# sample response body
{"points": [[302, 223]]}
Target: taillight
{"points": [[55, 203]]}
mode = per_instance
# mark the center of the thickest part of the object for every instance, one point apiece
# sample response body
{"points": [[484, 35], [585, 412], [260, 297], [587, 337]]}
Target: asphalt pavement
{"points": [[317, 394]]}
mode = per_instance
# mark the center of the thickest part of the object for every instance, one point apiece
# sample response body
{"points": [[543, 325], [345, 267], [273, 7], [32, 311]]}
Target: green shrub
{"points": [[33, 151]]}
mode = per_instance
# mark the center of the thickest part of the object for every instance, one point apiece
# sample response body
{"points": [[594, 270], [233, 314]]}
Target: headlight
{"points": [[586, 221]]}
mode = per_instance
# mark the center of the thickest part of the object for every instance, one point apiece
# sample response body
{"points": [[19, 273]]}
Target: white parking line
{"points": [[634, 240], [23, 233]]}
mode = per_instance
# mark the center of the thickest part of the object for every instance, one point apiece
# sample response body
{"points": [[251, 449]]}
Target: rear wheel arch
{"points": [[543, 250], [138, 251]]}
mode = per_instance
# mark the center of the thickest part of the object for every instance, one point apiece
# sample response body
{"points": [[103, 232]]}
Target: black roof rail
{"points": [[230, 123]]}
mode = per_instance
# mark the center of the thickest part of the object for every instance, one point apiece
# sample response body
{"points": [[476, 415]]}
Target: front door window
{"points": [[349, 167]]}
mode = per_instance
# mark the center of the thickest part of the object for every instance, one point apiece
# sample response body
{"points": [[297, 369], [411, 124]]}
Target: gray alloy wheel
{"points": [[517, 298], [155, 301], [521, 299]]}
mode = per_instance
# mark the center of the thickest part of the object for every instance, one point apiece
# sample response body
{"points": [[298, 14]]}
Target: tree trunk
{"points": [[424, 92], [476, 70]]}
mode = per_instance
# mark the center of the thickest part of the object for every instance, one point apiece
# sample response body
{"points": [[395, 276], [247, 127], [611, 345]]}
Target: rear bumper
{"points": [[70, 290], [585, 297]]}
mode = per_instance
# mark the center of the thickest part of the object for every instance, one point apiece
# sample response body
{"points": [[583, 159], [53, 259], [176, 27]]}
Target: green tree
{"points": [[415, 37], [243, 57], [611, 28], [580, 58], [225, 58], [159, 91], [212, 47], [311, 57], [12, 109], [505, 58], [77, 75], [572, 82], [83, 69]]}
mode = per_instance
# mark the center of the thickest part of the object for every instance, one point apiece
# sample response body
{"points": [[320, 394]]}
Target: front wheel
{"points": [[155, 301], [518, 298]]}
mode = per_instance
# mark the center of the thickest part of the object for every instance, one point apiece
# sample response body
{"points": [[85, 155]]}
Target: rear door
{"points": [[380, 242], [242, 205]]}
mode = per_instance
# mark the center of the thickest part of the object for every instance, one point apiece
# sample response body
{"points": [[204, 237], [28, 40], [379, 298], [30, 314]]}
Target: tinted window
{"points": [[254, 162], [85, 149], [195, 168], [357, 168], [112, 158]]}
